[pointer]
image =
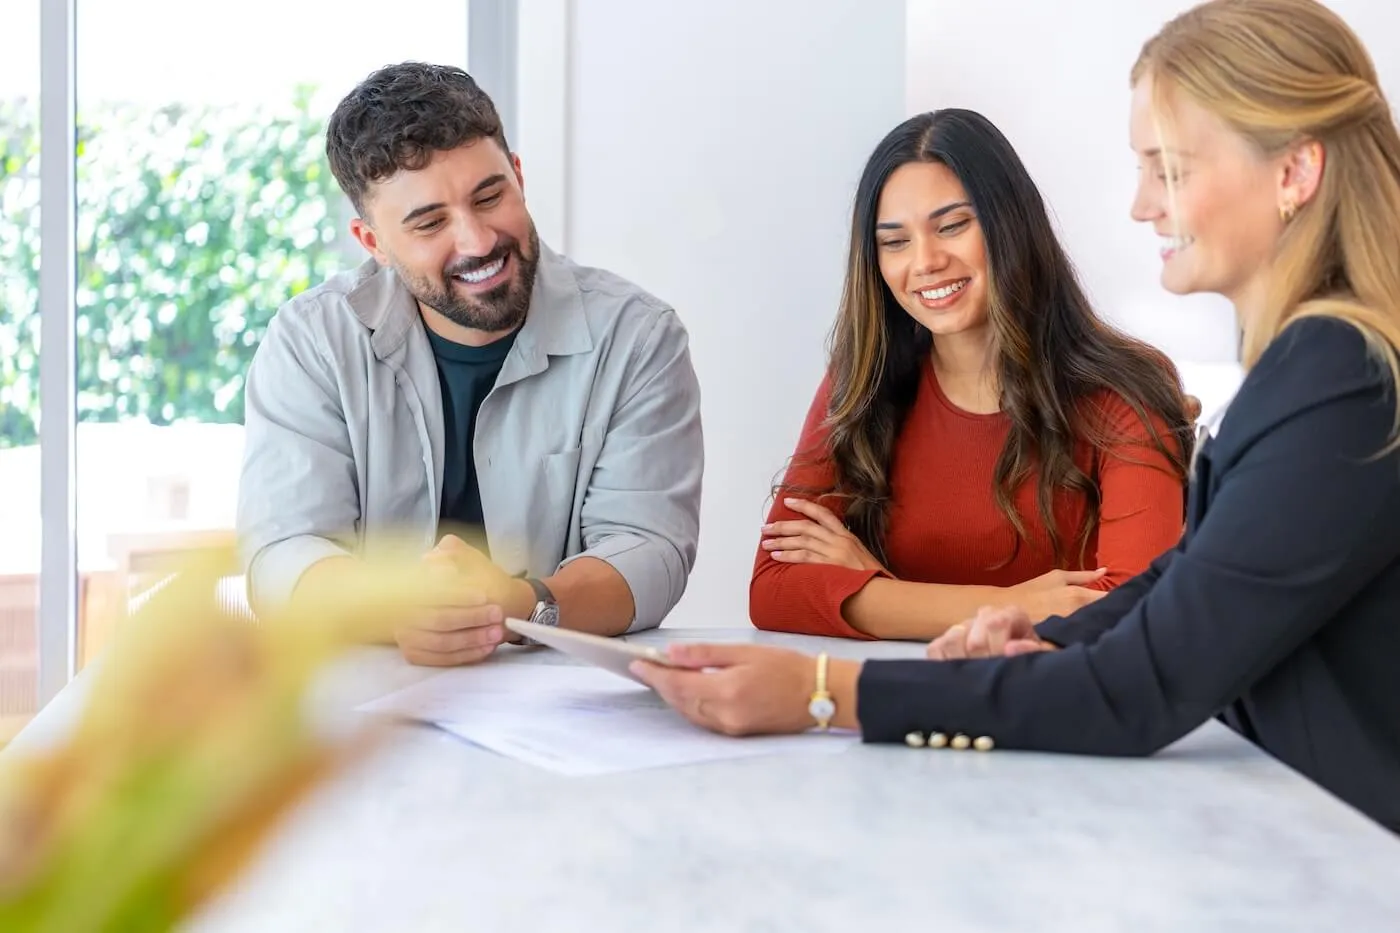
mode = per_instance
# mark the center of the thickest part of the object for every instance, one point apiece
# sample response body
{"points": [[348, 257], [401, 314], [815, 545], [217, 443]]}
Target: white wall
{"points": [[1054, 78], [709, 151], [713, 149]]}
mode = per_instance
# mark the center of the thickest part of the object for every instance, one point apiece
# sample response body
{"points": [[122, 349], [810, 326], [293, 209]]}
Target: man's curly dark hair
{"points": [[399, 117]]}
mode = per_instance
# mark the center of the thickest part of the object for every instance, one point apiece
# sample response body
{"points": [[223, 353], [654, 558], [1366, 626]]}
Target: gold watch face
{"points": [[822, 709]]}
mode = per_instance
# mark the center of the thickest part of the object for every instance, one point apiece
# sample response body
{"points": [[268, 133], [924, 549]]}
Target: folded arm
{"points": [[823, 598], [806, 598]]}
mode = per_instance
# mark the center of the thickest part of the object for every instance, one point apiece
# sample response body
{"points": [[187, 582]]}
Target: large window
{"points": [[203, 203], [19, 363]]}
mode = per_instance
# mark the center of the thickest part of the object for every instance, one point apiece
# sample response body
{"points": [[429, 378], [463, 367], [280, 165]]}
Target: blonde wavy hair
{"points": [[1282, 73]]}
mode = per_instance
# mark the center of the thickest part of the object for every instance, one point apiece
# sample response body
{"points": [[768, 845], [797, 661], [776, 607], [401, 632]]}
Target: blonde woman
{"points": [[1270, 165]]}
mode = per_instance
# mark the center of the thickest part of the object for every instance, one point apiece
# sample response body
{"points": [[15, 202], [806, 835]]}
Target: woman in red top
{"points": [[981, 435]]}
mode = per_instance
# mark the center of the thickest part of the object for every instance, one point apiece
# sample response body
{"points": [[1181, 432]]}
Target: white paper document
{"points": [[577, 720]]}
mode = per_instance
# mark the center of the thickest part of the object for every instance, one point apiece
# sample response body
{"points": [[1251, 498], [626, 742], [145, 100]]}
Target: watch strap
{"points": [[542, 592], [821, 707], [545, 610]]}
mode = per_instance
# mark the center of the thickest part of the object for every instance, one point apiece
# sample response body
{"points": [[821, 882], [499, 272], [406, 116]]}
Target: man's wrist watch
{"points": [[546, 611], [822, 707]]}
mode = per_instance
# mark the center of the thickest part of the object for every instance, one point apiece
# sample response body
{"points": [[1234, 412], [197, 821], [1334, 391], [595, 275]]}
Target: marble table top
{"points": [[435, 834]]}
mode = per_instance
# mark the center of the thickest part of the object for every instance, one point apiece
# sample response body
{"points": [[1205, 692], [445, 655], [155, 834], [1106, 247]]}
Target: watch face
{"points": [[822, 709], [546, 614]]}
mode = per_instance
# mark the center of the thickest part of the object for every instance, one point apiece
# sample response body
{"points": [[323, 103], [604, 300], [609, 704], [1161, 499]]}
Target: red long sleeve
{"points": [[1141, 514], [944, 524], [805, 598]]}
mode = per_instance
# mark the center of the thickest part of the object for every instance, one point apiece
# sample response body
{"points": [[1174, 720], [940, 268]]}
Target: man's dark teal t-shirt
{"points": [[467, 375]]}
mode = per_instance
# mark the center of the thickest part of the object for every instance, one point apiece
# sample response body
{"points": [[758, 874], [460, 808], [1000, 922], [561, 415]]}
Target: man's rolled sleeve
{"points": [[641, 511], [298, 499], [655, 573], [275, 570]]}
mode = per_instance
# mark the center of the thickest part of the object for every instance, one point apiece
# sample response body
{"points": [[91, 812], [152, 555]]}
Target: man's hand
{"points": [[470, 627], [476, 570], [1002, 631]]}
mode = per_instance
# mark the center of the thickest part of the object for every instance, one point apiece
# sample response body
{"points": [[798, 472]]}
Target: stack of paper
{"points": [[576, 720]]}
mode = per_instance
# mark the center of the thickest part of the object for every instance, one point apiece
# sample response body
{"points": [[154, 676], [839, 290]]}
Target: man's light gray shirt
{"points": [[589, 445]]}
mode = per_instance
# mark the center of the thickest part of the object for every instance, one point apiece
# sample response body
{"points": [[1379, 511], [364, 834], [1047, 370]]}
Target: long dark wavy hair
{"points": [[1050, 349]]}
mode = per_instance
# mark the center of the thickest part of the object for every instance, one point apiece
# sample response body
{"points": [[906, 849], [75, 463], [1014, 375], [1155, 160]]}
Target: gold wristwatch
{"points": [[822, 707]]}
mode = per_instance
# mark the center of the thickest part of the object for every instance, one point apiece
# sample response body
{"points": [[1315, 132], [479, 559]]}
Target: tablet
{"points": [[611, 654]]}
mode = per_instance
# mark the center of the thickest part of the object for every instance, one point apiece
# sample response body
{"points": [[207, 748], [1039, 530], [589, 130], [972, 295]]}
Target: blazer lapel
{"points": [[1202, 473]]}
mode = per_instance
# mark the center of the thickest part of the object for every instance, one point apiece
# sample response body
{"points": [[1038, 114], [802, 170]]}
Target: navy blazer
{"points": [[1279, 610]]}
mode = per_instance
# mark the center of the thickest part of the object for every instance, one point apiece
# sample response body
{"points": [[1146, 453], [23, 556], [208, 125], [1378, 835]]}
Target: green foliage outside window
{"points": [[195, 223]]}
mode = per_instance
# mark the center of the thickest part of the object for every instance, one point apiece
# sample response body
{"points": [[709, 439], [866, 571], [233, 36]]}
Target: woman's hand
{"points": [[1057, 593], [1192, 405], [820, 538], [1001, 631], [738, 689]]}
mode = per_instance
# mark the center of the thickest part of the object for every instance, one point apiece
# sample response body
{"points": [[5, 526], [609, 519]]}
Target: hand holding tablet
{"points": [[611, 654]]}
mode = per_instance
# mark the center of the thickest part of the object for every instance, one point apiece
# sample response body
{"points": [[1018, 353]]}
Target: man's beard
{"points": [[501, 309]]}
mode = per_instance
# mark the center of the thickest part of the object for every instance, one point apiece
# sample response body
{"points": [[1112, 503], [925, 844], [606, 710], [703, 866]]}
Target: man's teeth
{"points": [[933, 294], [482, 274]]}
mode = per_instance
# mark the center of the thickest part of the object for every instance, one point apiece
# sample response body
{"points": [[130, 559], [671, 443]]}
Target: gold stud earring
{"points": [[1287, 212]]}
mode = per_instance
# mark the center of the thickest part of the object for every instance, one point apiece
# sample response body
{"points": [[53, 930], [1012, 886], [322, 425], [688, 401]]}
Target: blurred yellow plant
{"points": [[194, 740]]}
